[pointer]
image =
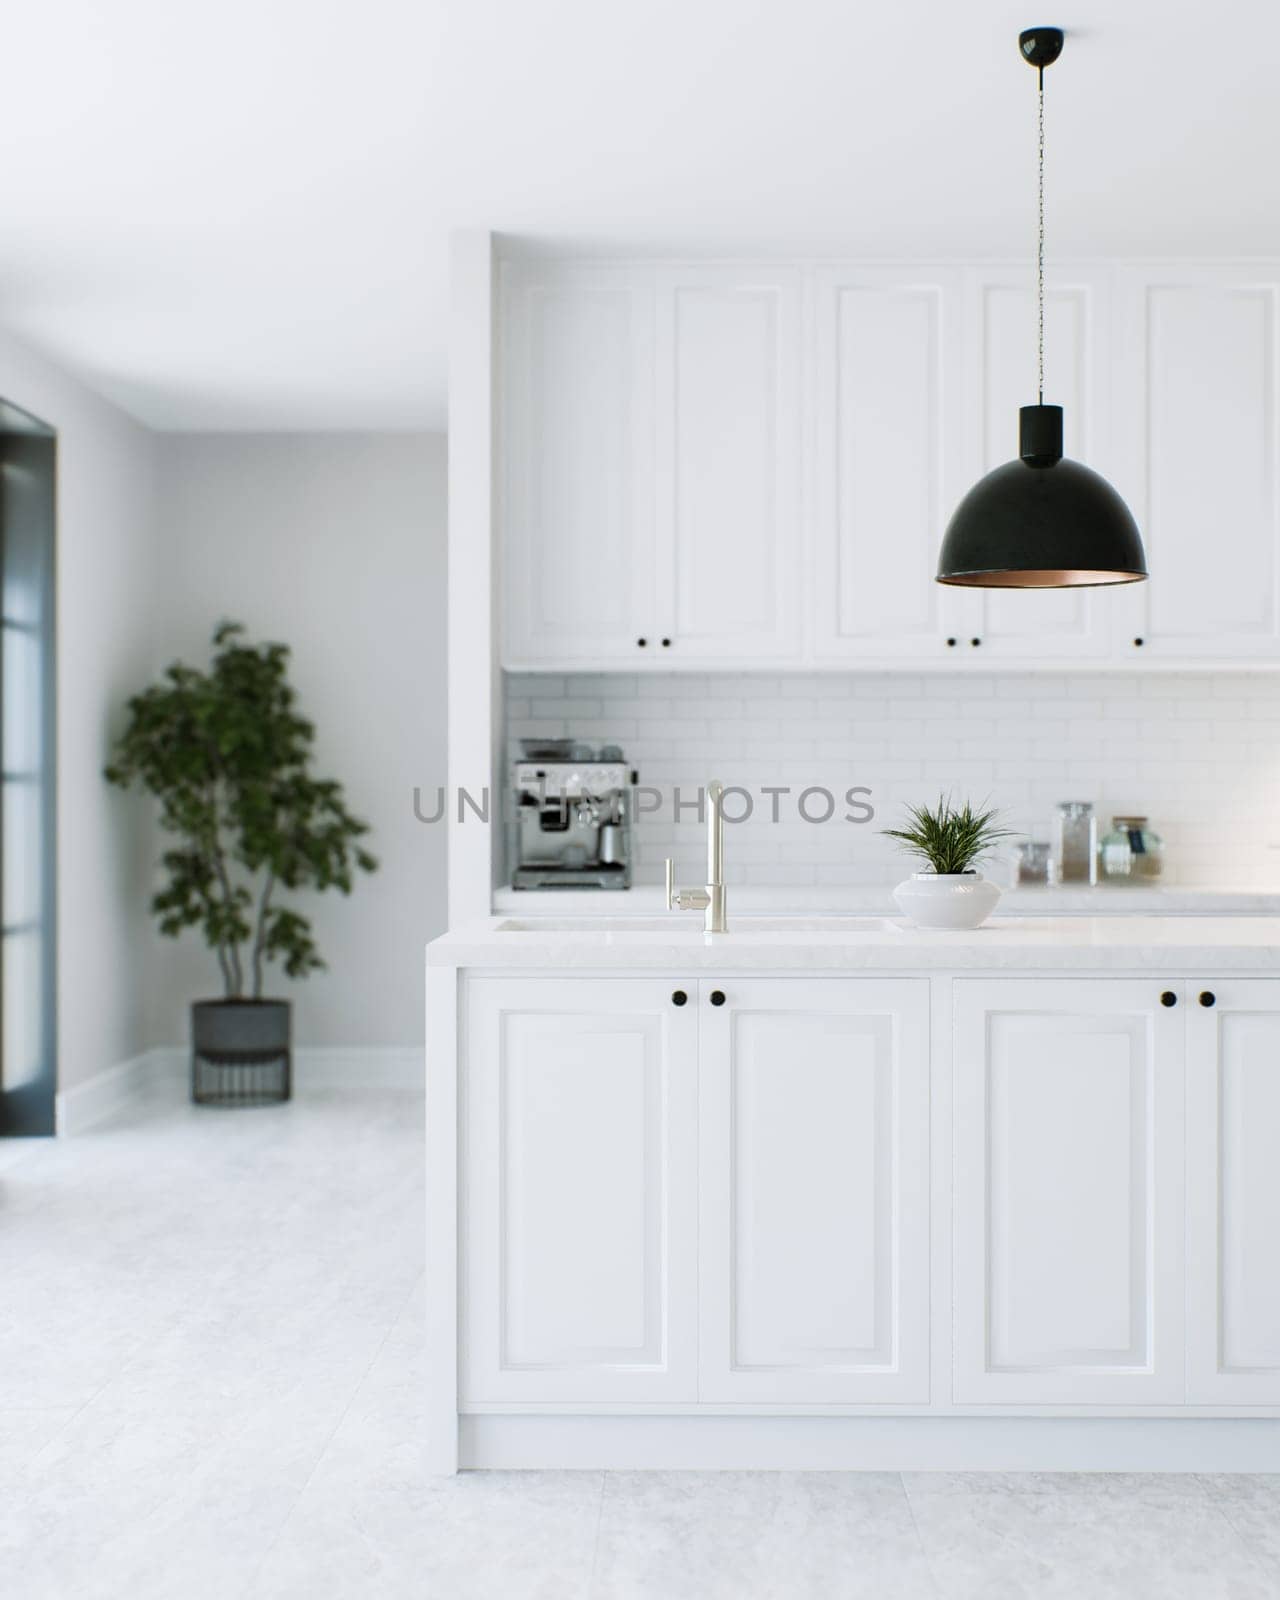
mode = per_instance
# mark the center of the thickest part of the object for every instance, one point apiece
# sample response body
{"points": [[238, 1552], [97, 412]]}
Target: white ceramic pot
{"points": [[953, 900]]}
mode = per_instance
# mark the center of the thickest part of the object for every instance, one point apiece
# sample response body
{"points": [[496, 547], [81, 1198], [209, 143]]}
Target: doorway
{"points": [[28, 485]]}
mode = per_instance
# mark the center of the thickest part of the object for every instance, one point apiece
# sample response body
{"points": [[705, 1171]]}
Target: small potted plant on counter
{"points": [[229, 759], [950, 893]]}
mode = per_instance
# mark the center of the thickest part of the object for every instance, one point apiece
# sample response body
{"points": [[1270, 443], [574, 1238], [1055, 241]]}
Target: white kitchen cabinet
{"points": [[1197, 366], [651, 441], [1068, 1192], [999, 378], [814, 1190], [707, 1201], [579, 565], [1233, 1192], [810, 1194], [723, 465], [579, 1199], [729, 521], [887, 475]]}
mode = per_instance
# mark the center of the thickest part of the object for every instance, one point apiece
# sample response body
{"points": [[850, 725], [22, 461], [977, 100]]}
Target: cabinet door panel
{"points": [[580, 1211], [887, 367], [1068, 1160], [814, 1191], [1233, 1195], [1202, 370], [1049, 623], [577, 506], [728, 465]]}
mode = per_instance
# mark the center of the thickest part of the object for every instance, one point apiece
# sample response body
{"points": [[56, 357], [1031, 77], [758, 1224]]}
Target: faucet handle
{"points": [[684, 899]]}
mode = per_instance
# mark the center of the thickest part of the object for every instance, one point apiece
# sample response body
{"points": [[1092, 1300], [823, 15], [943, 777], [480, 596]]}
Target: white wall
{"points": [[334, 544], [106, 587], [1200, 754]]}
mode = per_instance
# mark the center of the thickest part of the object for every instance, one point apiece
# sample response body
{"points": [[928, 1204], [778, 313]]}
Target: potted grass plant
{"points": [[949, 892], [228, 756]]}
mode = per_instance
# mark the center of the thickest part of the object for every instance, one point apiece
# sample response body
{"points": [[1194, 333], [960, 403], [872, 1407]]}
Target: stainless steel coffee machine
{"points": [[571, 823]]}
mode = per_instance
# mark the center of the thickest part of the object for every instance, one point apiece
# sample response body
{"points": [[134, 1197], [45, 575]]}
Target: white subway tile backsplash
{"points": [[632, 708], [1199, 754], [601, 684], [534, 727], [565, 706]]}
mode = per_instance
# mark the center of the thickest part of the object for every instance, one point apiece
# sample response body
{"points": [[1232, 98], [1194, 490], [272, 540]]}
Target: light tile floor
{"points": [[210, 1369]]}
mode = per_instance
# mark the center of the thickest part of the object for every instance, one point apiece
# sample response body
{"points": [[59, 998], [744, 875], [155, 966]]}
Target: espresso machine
{"points": [[571, 817]]}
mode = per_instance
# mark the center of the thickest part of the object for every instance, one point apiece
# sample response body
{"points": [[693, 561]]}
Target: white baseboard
{"points": [[111, 1091], [887, 1444], [86, 1104]]}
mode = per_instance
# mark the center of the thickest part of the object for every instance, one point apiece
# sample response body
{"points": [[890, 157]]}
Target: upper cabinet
{"points": [[576, 489], [727, 478], [651, 465], [754, 464], [886, 464], [1198, 369]]}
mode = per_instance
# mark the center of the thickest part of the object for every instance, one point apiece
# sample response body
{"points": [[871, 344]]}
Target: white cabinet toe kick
{"points": [[861, 1220]]}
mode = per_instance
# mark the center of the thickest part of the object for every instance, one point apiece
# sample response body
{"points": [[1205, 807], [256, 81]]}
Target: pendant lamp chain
{"points": [[1040, 250]]}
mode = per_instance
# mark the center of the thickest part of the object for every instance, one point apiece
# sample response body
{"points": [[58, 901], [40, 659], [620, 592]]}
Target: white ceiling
{"points": [[235, 215]]}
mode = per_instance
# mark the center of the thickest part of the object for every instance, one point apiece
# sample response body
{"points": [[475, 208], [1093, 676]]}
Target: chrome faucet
{"points": [[711, 897]]}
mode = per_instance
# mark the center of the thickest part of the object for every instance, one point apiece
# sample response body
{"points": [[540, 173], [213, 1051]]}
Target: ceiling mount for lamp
{"points": [[1042, 521], [1041, 47]]}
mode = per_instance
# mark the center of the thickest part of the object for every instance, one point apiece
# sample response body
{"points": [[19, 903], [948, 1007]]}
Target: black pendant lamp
{"points": [[1041, 522]]}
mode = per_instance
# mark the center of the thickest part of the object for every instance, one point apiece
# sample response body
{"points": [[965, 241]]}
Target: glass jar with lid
{"points": [[1133, 852], [1075, 853], [1033, 860]]}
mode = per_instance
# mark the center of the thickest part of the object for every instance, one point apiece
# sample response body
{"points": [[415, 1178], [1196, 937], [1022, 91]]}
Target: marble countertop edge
{"points": [[1134, 944]]}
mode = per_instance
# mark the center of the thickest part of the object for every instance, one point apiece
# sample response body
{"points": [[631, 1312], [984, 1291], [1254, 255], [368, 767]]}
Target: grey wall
{"points": [[334, 544]]}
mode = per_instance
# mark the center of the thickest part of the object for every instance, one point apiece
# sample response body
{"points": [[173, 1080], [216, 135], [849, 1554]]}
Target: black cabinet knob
{"points": [[642, 643], [679, 998], [1168, 998], [717, 997], [975, 642], [1208, 998], [1139, 643], [951, 643], [666, 644]]}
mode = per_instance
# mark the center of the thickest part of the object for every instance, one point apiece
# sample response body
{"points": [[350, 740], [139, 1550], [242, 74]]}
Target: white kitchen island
{"points": [[835, 1193]]}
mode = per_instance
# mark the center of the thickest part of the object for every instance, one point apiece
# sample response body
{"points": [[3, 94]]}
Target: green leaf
{"points": [[229, 758], [949, 838]]}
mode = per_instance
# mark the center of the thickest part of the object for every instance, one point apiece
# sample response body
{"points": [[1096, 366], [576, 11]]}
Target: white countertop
{"points": [[1105, 900], [675, 942]]}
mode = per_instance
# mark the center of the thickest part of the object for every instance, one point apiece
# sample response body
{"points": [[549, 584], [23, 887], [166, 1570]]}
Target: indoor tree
{"points": [[228, 756]]}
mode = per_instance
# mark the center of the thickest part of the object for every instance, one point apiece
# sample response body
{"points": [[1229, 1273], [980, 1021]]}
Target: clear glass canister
{"points": [[1033, 861], [1133, 852], [1075, 855]]}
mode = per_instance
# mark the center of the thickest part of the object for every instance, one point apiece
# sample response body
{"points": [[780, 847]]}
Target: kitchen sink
{"points": [[624, 924], [810, 924], [679, 922]]}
